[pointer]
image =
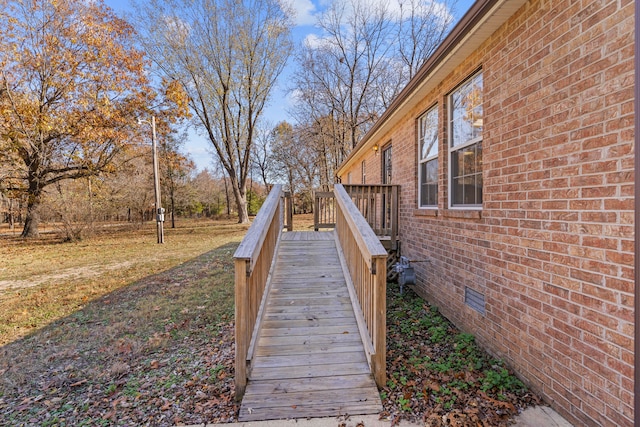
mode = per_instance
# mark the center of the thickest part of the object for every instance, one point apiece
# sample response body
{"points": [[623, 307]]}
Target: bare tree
{"points": [[350, 73], [262, 159], [227, 54], [422, 25], [339, 70], [294, 161]]}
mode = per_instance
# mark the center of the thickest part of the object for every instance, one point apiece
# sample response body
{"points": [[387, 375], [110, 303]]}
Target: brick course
{"points": [[552, 248]]}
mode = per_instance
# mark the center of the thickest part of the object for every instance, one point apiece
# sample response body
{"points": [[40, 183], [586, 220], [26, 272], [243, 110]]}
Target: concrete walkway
{"points": [[538, 416]]}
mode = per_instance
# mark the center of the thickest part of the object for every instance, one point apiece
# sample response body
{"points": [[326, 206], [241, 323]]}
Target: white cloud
{"points": [[305, 11], [314, 41], [424, 7]]}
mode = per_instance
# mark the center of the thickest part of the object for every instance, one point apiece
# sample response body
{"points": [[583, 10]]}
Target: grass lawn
{"points": [[44, 280], [118, 330]]}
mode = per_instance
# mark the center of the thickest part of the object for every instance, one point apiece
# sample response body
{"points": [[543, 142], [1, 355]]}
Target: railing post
{"points": [[394, 217], [316, 213], [242, 325], [379, 359], [288, 208]]}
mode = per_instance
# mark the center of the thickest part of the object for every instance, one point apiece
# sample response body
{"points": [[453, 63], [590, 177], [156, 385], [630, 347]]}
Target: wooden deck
{"points": [[309, 360]]}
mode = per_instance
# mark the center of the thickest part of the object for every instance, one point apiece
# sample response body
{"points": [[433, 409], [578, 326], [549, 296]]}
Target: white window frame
{"points": [[451, 149], [434, 156]]}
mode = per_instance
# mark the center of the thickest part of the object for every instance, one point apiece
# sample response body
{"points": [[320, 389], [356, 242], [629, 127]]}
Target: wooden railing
{"points": [[379, 206], [253, 261], [288, 211], [365, 258], [324, 210]]}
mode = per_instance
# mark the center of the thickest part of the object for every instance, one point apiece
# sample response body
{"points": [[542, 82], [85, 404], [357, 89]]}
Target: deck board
{"points": [[309, 359]]}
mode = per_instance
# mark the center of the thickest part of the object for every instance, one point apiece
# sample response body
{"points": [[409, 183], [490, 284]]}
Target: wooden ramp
{"points": [[309, 360]]}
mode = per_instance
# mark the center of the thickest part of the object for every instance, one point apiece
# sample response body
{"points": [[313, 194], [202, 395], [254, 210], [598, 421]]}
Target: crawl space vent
{"points": [[474, 299]]}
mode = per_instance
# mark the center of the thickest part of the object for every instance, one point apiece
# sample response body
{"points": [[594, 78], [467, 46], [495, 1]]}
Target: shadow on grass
{"points": [[158, 351]]}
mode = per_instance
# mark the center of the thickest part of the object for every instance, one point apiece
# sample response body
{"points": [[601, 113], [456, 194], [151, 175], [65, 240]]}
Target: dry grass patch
{"points": [[148, 344], [45, 280]]}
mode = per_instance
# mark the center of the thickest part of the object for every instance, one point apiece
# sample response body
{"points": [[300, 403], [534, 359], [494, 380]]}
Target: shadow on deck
{"points": [[309, 360], [310, 316]]}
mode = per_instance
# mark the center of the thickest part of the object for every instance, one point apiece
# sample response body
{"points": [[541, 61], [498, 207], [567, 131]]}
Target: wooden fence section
{"points": [[324, 211], [378, 204], [253, 260], [365, 258]]}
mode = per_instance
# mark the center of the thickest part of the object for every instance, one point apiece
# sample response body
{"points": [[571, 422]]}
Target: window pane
{"points": [[432, 194], [423, 184], [429, 134], [457, 188], [466, 112], [466, 175], [386, 166], [432, 171], [429, 183], [468, 160]]}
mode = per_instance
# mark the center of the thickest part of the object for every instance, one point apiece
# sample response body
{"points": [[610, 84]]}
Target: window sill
{"points": [[462, 214], [425, 212]]}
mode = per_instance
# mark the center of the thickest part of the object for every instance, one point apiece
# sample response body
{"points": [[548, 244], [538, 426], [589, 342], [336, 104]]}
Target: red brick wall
{"points": [[552, 248]]}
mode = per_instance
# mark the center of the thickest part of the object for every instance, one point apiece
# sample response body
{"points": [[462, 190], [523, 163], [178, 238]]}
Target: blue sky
{"points": [[306, 11]]}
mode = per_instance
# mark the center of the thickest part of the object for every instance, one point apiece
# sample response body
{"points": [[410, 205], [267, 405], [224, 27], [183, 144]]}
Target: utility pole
{"points": [[159, 211], [156, 184]]}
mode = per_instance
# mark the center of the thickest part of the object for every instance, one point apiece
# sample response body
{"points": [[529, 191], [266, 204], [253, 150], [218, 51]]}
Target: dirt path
{"points": [[74, 273]]}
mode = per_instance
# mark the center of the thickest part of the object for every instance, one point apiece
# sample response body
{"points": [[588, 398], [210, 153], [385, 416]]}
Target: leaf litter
{"points": [[158, 352]]}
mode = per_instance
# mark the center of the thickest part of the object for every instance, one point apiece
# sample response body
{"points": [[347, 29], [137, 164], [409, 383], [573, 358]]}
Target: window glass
{"points": [[466, 112], [428, 158], [465, 150], [386, 165]]}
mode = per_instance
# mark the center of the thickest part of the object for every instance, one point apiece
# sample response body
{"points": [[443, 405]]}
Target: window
{"points": [[428, 159], [349, 178], [386, 164], [465, 149], [364, 172]]}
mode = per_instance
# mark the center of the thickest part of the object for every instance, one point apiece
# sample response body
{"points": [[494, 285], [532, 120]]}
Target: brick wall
{"points": [[552, 248]]}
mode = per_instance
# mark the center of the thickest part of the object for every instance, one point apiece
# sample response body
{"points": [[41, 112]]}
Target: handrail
{"points": [[253, 260], [366, 260], [378, 203]]}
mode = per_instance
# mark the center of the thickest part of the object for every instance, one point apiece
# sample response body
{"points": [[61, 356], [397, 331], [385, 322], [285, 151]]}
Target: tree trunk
{"points": [[32, 220], [226, 194], [240, 194], [173, 209], [11, 218]]}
